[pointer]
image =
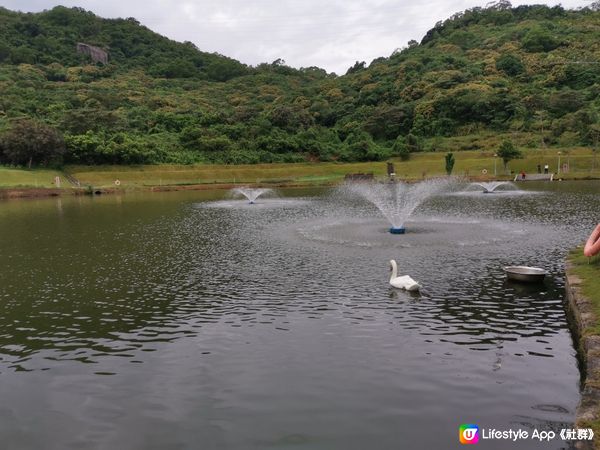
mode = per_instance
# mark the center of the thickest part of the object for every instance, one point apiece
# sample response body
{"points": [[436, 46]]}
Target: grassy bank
{"points": [[585, 273], [34, 178], [588, 270], [468, 163], [165, 175]]}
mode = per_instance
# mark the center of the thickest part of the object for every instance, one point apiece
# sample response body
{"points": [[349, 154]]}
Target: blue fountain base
{"points": [[397, 230]]}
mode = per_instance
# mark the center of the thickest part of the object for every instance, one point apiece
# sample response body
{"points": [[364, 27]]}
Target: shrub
{"points": [[510, 64]]}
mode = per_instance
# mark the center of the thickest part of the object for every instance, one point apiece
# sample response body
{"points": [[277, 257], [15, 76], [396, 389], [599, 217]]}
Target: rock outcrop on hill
{"points": [[96, 53]]}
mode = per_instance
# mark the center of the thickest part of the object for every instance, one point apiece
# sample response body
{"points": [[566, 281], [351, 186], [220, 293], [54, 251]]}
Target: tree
{"points": [[290, 117], [178, 68], [500, 5], [510, 64], [413, 143], [539, 40], [225, 69], [449, 163], [358, 66], [387, 122], [22, 55], [85, 148], [29, 142], [508, 152], [4, 51], [401, 149]]}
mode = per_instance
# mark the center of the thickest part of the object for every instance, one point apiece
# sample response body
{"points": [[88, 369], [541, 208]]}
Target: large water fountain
{"points": [[397, 200], [251, 193]]}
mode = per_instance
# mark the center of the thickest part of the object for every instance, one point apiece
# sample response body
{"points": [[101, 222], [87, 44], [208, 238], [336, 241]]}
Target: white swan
{"points": [[403, 282]]}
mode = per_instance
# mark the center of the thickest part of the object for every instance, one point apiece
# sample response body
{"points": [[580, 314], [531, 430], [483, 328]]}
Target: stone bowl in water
{"points": [[525, 274]]}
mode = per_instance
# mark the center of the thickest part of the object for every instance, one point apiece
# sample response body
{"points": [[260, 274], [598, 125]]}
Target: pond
{"points": [[191, 320]]}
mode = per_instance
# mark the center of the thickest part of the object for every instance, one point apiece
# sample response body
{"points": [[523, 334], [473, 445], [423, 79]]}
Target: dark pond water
{"points": [[182, 320]]}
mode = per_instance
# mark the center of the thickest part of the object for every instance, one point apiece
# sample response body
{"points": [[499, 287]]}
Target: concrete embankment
{"points": [[584, 319], [30, 193], [12, 193]]}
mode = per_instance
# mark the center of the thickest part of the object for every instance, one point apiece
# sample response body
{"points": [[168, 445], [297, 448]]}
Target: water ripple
{"points": [[227, 305]]}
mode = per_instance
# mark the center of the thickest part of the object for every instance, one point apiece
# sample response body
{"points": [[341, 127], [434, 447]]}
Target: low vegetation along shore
{"points": [[583, 293], [581, 162]]}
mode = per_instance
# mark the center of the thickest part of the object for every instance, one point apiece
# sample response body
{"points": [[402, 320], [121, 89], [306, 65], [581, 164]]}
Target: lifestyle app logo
{"points": [[468, 433]]}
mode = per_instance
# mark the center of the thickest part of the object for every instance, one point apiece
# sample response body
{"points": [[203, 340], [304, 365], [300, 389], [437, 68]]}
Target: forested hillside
{"points": [[530, 73]]}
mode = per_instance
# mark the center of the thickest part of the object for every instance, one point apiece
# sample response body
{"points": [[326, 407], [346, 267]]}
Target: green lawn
{"points": [[470, 163], [139, 176], [29, 178], [481, 164]]}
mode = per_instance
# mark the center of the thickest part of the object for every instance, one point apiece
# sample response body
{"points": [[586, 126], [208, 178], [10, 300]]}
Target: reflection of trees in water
{"points": [[102, 284], [89, 285]]}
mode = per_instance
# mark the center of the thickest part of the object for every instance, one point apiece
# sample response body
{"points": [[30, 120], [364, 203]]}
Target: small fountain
{"points": [[251, 193], [398, 200], [491, 186]]}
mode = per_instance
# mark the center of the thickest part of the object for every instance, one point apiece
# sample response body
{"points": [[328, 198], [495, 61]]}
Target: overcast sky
{"points": [[331, 34]]}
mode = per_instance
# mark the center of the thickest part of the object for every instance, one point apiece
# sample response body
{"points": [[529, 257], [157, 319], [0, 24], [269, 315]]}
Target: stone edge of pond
{"points": [[582, 315], [15, 193]]}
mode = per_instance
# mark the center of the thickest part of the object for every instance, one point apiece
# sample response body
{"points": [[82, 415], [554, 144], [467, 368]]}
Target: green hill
{"points": [[530, 74], [50, 38]]}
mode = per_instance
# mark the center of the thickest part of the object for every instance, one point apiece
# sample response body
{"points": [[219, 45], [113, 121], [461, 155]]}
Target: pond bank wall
{"points": [[12, 193], [582, 317]]}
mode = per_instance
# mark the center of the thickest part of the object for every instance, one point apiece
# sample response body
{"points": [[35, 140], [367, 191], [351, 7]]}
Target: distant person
{"points": [[546, 167], [390, 170], [539, 168], [523, 175]]}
